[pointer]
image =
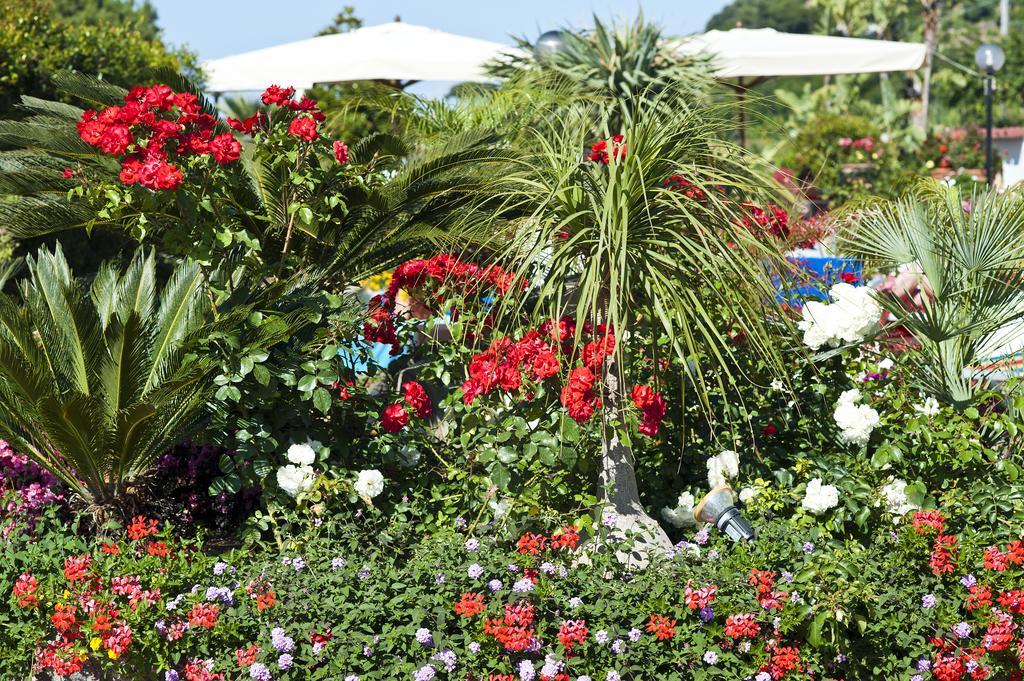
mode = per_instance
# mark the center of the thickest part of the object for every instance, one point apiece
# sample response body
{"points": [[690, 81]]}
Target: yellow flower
{"points": [[112, 655], [95, 643]]}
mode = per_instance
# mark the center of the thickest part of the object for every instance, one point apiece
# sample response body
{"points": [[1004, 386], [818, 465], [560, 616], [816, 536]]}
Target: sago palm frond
{"points": [[96, 383]]}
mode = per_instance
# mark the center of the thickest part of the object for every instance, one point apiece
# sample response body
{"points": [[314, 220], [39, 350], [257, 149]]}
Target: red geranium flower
{"points": [[573, 633], [662, 627], [741, 625], [278, 95], [470, 604]]}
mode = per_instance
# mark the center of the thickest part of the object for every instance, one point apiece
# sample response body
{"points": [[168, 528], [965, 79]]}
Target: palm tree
{"points": [[968, 257], [97, 382], [615, 245]]}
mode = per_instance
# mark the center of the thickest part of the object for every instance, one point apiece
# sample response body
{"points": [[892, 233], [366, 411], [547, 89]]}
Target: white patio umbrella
{"points": [[395, 51], [752, 55]]}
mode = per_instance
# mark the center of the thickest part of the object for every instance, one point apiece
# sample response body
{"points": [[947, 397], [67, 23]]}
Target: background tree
{"points": [[111, 39], [788, 16]]}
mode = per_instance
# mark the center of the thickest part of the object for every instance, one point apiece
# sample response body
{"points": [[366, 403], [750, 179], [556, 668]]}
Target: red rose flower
{"points": [[278, 95], [545, 365], [417, 398], [303, 127], [394, 418], [340, 152], [225, 148]]}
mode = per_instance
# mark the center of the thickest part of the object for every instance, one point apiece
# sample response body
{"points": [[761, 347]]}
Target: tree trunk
{"points": [[932, 14], [618, 488]]}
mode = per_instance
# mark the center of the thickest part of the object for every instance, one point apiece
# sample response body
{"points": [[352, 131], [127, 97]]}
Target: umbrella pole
{"points": [[742, 114]]}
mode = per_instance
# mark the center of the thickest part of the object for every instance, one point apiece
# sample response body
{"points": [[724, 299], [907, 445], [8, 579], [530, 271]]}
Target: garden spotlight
{"points": [[717, 508]]}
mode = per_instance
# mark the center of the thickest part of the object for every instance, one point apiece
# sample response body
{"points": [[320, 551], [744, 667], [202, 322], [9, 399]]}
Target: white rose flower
{"points": [[722, 467], [853, 316], [929, 408], [682, 514], [896, 501], [370, 483], [856, 421], [819, 497], [295, 480], [302, 455], [747, 493]]}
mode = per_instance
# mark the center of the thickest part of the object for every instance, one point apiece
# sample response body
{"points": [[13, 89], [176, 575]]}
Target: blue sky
{"points": [[217, 28]]}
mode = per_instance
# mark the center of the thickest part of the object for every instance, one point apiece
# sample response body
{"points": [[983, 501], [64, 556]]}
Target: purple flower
{"points": [[424, 636], [928, 602], [924, 664], [701, 537], [787, 576], [424, 673], [711, 657], [962, 630], [460, 523], [916, 677], [440, 578], [601, 636], [472, 544], [494, 585], [610, 520], [351, 677], [968, 581], [712, 554], [475, 571], [474, 647], [634, 634], [285, 662], [447, 658], [612, 676], [523, 586], [338, 563], [575, 602], [259, 672], [512, 567], [808, 547], [364, 573], [707, 614], [526, 670], [221, 567], [171, 675], [763, 676], [298, 564], [618, 646], [280, 641]]}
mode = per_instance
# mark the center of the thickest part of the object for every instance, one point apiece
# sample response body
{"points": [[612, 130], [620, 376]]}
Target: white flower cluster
{"points": [[682, 514], [722, 467], [856, 421], [820, 497], [896, 501], [298, 476], [853, 316], [929, 408]]}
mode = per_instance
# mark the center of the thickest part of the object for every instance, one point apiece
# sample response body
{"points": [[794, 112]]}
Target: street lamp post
{"points": [[989, 58], [548, 45]]}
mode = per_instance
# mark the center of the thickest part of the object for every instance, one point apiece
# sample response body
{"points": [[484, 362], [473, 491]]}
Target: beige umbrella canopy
{"points": [[744, 57]]}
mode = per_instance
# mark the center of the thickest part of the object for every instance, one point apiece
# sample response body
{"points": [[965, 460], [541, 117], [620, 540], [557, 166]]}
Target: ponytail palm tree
{"points": [[97, 383], [612, 243]]}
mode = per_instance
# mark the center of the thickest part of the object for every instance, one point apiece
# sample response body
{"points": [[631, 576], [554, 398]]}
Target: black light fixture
{"points": [[717, 508], [989, 58], [548, 44]]}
